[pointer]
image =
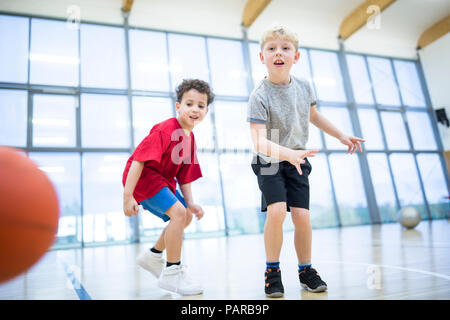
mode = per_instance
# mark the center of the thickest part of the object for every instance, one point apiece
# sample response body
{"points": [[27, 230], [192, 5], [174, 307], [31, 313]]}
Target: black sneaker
{"points": [[274, 288], [311, 281]]}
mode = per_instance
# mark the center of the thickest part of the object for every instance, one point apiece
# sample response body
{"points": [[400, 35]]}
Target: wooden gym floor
{"points": [[362, 262]]}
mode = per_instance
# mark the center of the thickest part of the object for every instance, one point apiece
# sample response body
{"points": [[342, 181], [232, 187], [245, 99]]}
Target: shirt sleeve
{"points": [[256, 111], [190, 172], [151, 148], [312, 95]]}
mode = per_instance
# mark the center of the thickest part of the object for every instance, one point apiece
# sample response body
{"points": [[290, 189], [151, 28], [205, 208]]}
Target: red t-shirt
{"points": [[168, 154]]}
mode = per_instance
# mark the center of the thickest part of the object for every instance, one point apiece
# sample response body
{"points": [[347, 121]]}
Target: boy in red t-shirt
{"points": [[166, 154]]}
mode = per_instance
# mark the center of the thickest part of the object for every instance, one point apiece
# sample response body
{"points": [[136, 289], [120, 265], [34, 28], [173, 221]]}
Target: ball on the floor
{"points": [[409, 217], [29, 213]]}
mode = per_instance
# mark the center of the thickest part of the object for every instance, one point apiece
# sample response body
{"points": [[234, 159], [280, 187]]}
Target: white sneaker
{"points": [[152, 262], [175, 279]]}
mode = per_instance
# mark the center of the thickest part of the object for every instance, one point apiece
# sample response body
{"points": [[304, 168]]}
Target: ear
{"points": [[297, 56], [177, 106], [261, 57]]}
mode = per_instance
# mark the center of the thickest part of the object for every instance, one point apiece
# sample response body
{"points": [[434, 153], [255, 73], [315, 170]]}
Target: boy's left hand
{"points": [[197, 210], [352, 142]]}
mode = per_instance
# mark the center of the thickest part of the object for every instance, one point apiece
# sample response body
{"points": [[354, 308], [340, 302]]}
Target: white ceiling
{"points": [[317, 22]]}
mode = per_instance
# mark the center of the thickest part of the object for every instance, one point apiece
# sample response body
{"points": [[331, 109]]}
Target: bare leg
{"points": [[302, 234], [174, 232], [273, 230], [161, 244]]}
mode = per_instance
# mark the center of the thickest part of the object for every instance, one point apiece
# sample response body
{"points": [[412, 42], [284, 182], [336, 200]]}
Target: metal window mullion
{"points": [[333, 191], [216, 147], [78, 139], [250, 83], [408, 134], [172, 95], [129, 94], [29, 95], [327, 154], [78, 94], [82, 200], [387, 152], [29, 122], [247, 60], [383, 135], [351, 104], [29, 52], [134, 222]]}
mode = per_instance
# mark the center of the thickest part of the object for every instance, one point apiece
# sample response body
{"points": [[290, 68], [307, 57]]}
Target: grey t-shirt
{"points": [[285, 111]]}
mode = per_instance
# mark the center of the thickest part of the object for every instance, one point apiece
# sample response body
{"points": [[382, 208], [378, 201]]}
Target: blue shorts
{"points": [[162, 201]]}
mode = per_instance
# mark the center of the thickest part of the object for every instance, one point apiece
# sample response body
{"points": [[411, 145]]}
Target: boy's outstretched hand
{"points": [[130, 206], [298, 157], [197, 210], [353, 143]]}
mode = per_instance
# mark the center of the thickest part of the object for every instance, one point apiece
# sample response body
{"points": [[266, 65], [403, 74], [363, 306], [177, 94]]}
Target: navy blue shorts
{"points": [[161, 202], [282, 183]]}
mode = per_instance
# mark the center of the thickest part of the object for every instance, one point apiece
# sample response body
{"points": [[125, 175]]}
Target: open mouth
{"points": [[278, 62], [193, 118]]}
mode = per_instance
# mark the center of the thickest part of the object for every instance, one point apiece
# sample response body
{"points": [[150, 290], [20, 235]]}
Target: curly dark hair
{"points": [[199, 85]]}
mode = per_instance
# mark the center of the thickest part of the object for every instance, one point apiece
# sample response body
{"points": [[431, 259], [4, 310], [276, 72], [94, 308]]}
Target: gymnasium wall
{"points": [[436, 66], [435, 60]]}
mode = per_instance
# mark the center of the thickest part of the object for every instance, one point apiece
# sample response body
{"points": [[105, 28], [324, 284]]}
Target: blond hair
{"points": [[279, 32]]}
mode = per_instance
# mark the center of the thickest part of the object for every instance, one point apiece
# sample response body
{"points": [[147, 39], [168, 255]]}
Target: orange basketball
{"points": [[29, 213]]}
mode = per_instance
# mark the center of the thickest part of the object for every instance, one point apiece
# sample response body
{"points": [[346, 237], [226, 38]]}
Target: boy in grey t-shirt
{"points": [[279, 111]]}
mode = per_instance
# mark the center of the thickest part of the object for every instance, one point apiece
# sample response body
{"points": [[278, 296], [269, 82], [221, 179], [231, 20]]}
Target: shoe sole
{"points": [[275, 294], [176, 290], [318, 289], [143, 265]]}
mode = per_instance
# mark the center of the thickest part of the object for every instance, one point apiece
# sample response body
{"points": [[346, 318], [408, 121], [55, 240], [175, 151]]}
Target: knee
{"points": [[178, 215], [276, 213], [300, 217], [188, 218]]}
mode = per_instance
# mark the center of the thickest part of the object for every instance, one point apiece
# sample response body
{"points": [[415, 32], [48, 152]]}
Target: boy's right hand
{"points": [[298, 157], [130, 206]]}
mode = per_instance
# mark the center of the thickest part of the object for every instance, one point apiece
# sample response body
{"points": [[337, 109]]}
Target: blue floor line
{"points": [[78, 287]]}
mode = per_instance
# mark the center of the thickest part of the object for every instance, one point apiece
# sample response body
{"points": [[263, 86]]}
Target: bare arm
{"points": [[323, 123], [133, 177], [187, 194], [130, 206], [263, 145], [317, 119]]}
